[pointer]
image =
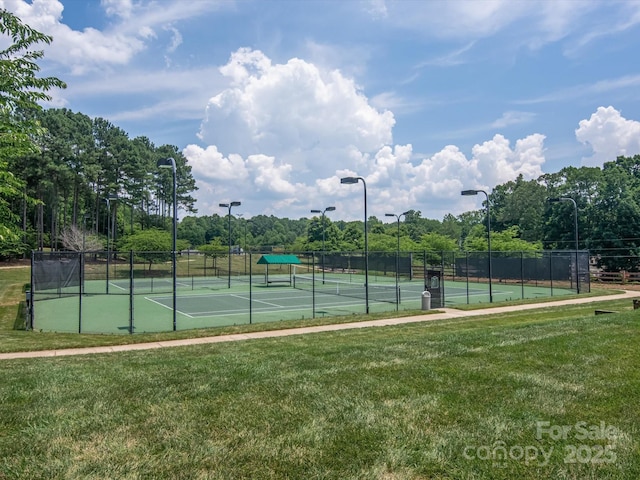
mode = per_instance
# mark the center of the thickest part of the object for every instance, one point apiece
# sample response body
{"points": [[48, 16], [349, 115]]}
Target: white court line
{"points": [[236, 312], [168, 307], [259, 301], [117, 286]]}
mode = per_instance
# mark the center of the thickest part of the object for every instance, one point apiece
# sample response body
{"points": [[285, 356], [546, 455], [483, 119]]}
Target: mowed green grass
{"points": [[423, 401]]}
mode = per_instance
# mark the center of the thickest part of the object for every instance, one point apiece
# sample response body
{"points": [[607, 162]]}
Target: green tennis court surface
{"points": [[209, 302]]}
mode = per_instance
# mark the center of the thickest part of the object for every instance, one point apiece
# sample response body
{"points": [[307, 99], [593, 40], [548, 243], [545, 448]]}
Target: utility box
{"points": [[426, 300]]}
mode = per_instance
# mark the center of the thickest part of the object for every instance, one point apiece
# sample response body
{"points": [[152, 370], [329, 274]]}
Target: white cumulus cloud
{"points": [[609, 135], [281, 136]]}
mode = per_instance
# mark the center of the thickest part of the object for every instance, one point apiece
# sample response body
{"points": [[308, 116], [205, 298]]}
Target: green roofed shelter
{"points": [[267, 260], [278, 260]]}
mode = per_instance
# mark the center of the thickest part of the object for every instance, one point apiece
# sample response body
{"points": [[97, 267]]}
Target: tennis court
{"points": [[210, 302], [90, 292]]}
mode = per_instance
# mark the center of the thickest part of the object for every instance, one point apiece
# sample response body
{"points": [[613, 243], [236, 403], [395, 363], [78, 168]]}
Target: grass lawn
{"points": [[550, 393], [528, 395]]}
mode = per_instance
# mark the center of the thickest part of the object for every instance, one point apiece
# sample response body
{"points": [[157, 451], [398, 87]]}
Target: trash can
{"points": [[426, 300]]}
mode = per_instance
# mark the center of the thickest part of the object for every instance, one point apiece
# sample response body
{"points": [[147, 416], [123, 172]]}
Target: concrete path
{"points": [[445, 313]]}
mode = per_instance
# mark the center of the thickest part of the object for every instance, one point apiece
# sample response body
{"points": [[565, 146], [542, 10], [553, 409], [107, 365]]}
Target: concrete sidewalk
{"points": [[444, 313]]}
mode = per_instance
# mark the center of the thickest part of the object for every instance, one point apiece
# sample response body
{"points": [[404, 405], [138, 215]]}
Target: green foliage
{"points": [[214, 249], [192, 231], [353, 237], [435, 242], [332, 235], [11, 246], [20, 91], [506, 241], [152, 245], [520, 203], [381, 242]]}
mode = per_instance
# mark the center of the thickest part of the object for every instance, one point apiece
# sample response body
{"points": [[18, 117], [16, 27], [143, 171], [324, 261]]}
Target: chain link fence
{"points": [[132, 292]]}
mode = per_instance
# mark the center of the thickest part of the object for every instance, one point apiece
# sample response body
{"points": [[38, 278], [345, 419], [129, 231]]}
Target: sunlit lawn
{"points": [[446, 399]]}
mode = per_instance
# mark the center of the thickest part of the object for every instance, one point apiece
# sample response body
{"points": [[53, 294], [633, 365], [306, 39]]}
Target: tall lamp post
{"points": [[108, 199], [575, 223], [350, 181], [475, 192], [171, 163], [328, 209], [397, 253], [229, 205]]}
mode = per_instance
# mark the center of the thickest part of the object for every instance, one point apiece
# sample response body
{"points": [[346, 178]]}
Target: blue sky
{"points": [[272, 102]]}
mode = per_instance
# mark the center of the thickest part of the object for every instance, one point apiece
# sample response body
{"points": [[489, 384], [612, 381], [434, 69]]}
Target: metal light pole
{"points": [[171, 163], [350, 181], [328, 209], [111, 196], [475, 192], [575, 223], [397, 254], [229, 205]]}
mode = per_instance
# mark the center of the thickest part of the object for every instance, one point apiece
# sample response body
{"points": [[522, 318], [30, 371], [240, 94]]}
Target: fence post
{"points": [[33, 291], [466, 260], [131, 291], [313, 284], [80, 291], [551, 272], [522, 272]]}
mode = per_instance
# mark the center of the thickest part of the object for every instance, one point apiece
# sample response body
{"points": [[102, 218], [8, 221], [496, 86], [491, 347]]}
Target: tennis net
{"points": [[377, 292]]}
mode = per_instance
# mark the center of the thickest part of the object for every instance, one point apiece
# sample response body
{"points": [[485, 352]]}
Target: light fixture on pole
{"points": [[575, 223], [108, 199], [229, 205], [171, 163], [475, 192], [351, 181], [397, 254], [328, 209]]}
